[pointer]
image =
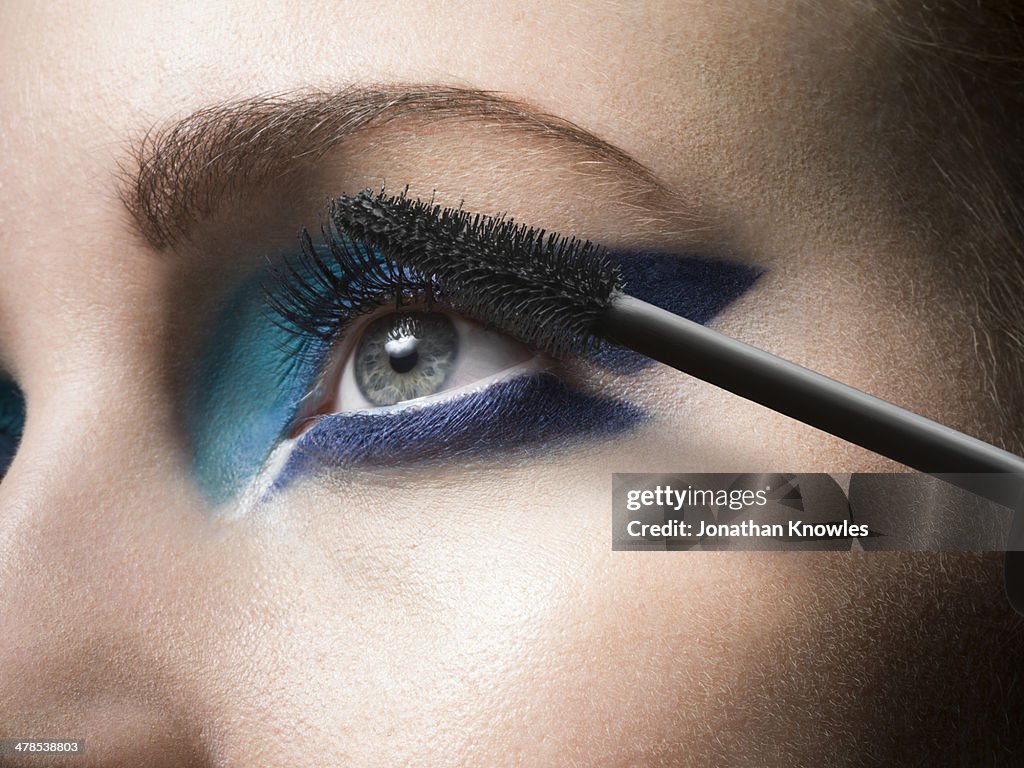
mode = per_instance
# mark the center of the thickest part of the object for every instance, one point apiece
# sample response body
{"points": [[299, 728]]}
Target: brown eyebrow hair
{"points": [[180, 172]]}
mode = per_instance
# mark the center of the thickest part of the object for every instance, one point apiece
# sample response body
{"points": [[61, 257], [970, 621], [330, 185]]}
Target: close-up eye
{"points": [[390, 367], [397, 374], [412, 355]]}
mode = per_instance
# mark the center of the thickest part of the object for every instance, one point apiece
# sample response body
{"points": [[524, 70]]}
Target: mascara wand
{"points": [[562, 295]]}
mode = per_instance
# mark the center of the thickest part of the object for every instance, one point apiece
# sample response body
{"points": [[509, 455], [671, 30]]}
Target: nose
{"points": [[91, 559]]}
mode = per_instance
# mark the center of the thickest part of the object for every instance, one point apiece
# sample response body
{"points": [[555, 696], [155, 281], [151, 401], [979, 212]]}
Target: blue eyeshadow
{"points": [[531, 413], [695, 287], [12, 421]]}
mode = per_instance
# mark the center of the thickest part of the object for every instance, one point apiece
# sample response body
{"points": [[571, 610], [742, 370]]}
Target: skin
{"points": [[474, 615]]}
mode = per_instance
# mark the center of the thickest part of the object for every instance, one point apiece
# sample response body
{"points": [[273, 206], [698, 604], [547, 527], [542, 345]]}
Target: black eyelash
{"points": [[548, 290], [318, 296], [319, 299]]}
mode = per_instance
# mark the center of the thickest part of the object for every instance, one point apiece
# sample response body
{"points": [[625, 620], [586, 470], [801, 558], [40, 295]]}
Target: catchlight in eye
{"points": [[403, 356]]}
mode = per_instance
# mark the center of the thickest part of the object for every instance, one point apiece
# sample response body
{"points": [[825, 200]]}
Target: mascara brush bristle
{"points": [[546, 289]]}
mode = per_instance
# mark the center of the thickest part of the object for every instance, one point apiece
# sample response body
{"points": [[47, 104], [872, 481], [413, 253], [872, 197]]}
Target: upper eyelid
{"points": [[693, 285], [322, 290]]}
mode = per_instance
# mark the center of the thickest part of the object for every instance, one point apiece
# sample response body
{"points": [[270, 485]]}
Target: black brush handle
{"points": [[809, 397], [832, 406]]}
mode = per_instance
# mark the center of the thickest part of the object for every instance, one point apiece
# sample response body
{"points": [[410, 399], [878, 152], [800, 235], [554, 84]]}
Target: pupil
{"points": [[404, 363], [403, 356], [403, 353]]}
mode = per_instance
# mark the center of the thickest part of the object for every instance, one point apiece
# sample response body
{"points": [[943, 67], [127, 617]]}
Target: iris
{"points": [[405, 356]]}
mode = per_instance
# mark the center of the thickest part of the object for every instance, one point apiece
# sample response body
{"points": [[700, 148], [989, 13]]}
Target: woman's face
{"points": [[466, 610]]}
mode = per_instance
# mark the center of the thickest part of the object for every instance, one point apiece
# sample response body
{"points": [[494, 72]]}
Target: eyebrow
{"points": [[181, 172]]}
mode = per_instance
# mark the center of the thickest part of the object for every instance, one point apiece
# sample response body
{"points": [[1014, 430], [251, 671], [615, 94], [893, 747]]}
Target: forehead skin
{"points": [[459, 620]]}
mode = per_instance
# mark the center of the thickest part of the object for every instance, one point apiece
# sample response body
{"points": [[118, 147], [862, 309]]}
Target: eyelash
{"points": [[317, 297], [320, 295]]}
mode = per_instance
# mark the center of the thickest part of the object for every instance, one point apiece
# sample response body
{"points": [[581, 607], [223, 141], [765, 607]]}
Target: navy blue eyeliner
{"points": [[692, 286], [531, 413]]}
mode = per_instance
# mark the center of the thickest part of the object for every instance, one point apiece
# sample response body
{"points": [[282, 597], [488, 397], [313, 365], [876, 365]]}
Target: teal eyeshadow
{"points": [[12, 421], [254, 371], [248, 384]]}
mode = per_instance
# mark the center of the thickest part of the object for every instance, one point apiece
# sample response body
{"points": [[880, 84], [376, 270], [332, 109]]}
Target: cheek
{"points": [[440, 625], [449, 616]]}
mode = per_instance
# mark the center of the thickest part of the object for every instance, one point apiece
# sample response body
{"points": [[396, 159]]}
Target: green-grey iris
{"points": [[405, 355]]}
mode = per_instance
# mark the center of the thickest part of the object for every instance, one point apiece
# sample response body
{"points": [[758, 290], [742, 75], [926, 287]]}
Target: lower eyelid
{"points": [[531, 412], [534, 365]]}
